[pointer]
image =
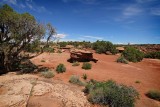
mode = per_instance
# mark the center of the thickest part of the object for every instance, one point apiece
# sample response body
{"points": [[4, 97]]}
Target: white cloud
{"points": [[82, 1], [129, 12], [155, 11], [41, 9], [14, 2], [60, 36], [145, 1], [22, 5], [132, 10], [44, 40], [28, 0], [93, 37], [65, 1], [88, 1], [29, 6]]}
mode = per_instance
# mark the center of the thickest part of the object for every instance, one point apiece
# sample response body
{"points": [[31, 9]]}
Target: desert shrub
{"points": [[154, 55], [60, 68], [154, 94], [43, 60], [75, 80], [75, 63], [137, 81], [48, 49], [62, 44], [86, 44], [47, 74], [86, 66], [121, 59], [103, 47], [132, 54], [84, 76], [33, 47], [110, 93], [59, 51], [26, 66]]}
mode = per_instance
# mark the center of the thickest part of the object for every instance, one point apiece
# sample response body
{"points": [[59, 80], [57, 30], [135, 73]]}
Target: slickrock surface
{"points": [[32, 91]]}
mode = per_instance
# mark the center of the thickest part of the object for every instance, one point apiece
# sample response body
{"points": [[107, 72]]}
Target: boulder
{"points": [[81, 55]]}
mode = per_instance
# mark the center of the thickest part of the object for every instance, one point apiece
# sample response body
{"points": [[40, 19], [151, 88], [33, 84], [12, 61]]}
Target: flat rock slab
{"points": [[32, 91], [15, 90]]}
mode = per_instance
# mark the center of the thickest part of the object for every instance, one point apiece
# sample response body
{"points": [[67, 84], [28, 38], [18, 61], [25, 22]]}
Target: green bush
{"points": [[137, 81], [26, 66], [103, 47], [154, 55], [86, 66], [59, 51], [110, 93], [121, 59], [43, 60], [84, 76], [33, 47], [60, 68], [62, 44], [48, 49], [75, 63], [47, 74], [154, 94], [75, 80], [132, 54]]}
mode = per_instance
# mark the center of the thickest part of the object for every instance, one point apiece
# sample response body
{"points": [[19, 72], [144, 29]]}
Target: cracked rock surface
{"points": [[32, 91]]}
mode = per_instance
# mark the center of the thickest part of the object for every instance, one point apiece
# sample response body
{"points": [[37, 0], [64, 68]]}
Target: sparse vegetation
{"points": [[86, 66], [59, 51], [26, 67], [84, 76], [48, 49], [121, 59], [75, 80], [110, 93], [60, 68], [47, 74], [43, 60], [137, 81], [132, 54], [76, 63], [103, 47], [83, 44], [154, 94], [154, 55]]}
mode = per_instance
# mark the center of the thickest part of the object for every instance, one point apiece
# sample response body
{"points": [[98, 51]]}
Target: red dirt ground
{"points": [[147, 72]]}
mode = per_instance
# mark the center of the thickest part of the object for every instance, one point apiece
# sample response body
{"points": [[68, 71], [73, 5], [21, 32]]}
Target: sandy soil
{"points": [[147, 72], [35, 91]]}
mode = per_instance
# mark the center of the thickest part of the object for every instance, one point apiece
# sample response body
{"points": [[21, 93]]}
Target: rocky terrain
{"points": [[32, 91]]}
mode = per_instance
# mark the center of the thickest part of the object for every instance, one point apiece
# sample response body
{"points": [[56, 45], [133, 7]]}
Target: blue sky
{"points": [[118, 21]]}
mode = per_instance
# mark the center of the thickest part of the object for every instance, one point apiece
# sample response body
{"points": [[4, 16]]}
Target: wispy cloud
{"points": [[132, 10], [93, 37], [14, 2], [32, 6], [129, 13], [155, 11], [28, 4], [61, 35], [22, 6], [82, 1], [145, 1], [68, 40]]}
